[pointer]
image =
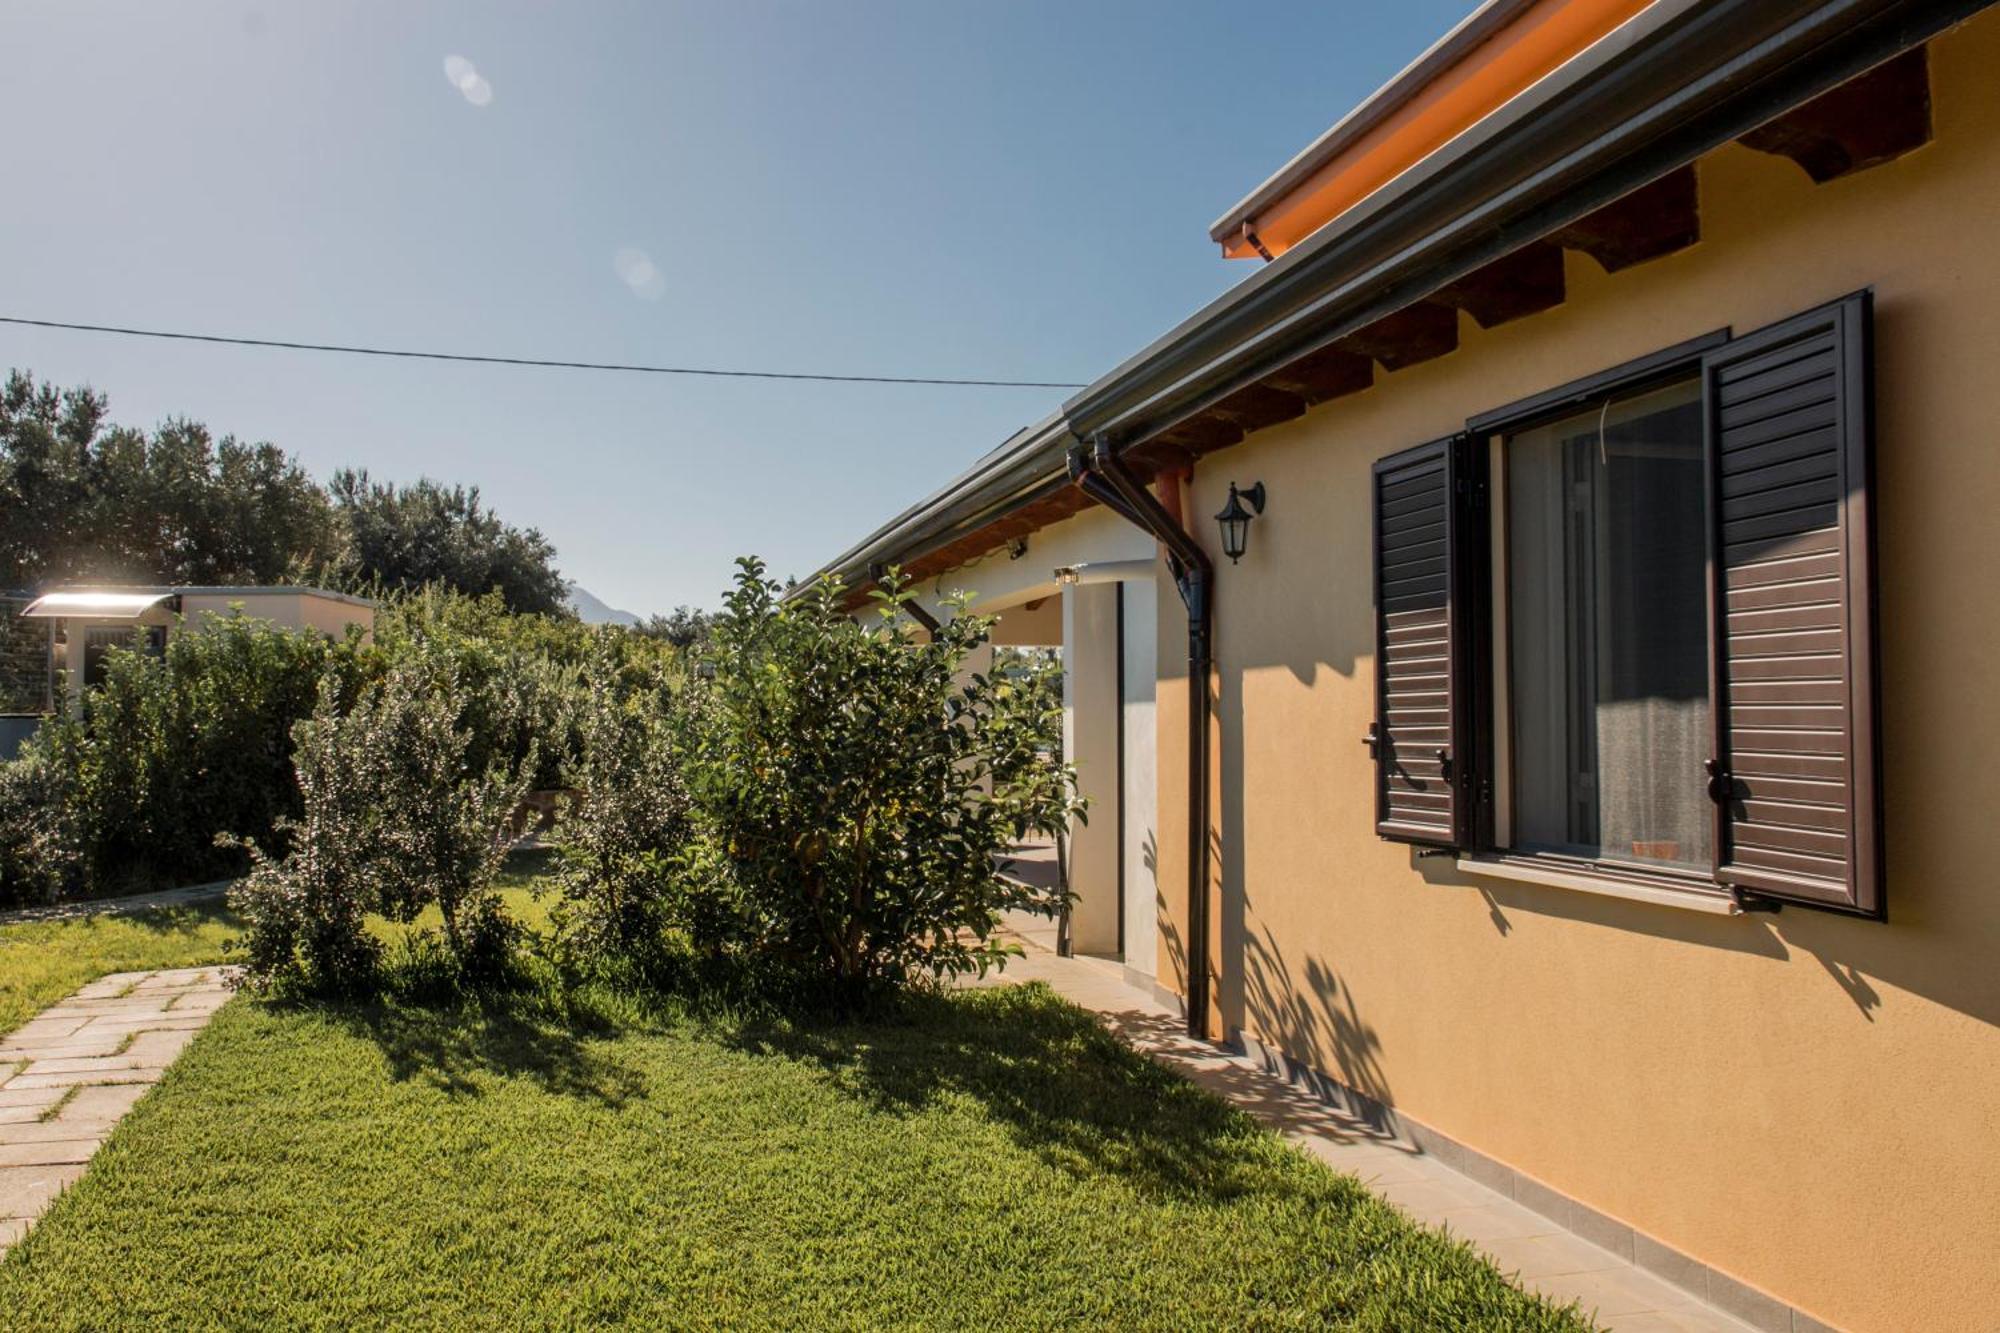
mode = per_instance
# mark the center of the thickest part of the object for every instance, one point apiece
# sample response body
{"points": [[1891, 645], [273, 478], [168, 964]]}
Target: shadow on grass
{"points": [[1062, 1086], [460, 1047], [526, 865]]}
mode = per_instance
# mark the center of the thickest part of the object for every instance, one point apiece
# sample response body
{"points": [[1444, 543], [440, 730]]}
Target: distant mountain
{"points": [[591, 611]]}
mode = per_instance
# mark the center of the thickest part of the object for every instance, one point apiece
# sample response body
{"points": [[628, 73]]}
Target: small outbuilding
{"points": [[60, 639]]}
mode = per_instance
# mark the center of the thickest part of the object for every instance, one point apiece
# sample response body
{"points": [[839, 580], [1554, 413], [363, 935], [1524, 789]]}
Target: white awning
{"points": [[94, 605]]}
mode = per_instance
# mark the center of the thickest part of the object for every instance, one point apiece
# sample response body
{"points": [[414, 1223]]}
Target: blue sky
{"points": [[1012, 191]]}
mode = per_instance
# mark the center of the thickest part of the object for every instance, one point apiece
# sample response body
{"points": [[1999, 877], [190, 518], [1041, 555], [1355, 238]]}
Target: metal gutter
{"points": [[1027, 467], [1383, 103], [1681, 78]]}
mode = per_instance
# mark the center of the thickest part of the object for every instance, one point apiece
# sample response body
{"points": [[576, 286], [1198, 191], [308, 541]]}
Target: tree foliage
{"points": [[683, 627], [81, 499], [400, 538]]}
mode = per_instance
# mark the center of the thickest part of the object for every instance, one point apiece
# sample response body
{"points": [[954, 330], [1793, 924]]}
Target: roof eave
{"points": [[1014, 473], [1676, 81], [1384, 102], [1680, 79]]}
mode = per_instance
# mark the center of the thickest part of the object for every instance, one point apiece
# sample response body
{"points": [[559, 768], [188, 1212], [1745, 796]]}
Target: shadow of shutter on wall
{"points": [[1420, 687], [1795, 777]]}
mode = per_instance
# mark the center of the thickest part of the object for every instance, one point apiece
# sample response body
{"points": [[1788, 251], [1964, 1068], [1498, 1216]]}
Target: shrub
{"points": [[39, 860], [305, 907], [520, 677], [167, 751], [446, 819], [856, 786], [625, 825], [395, 819]]}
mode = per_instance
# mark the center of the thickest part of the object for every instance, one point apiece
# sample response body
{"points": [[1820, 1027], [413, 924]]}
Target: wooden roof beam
{"points": [[1255, 406], [1415, 333], [1653, 220], [1523, 283], [1865, 122], [1199, 434], [1328, 373]]}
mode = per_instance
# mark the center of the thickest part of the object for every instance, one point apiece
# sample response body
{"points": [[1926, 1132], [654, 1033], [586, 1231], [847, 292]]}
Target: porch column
{"points": [[1090, 741]]}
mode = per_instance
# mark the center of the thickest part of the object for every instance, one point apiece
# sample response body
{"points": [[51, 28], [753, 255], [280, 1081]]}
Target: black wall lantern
{"points": [[1235, 519]]}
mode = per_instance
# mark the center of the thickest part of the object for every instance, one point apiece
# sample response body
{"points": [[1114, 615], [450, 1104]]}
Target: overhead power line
{"points": [[537, 361]]}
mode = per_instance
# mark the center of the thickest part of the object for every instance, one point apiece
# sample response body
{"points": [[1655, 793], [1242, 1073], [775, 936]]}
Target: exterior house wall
{"points": [[1090, 742], [1805, 1101], [1138, 632], [292, 610]]}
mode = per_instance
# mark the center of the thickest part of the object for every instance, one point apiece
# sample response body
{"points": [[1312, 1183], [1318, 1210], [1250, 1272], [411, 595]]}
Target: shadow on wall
{"points": [[1946, 966], [1311, 1016], [1777, 937]]}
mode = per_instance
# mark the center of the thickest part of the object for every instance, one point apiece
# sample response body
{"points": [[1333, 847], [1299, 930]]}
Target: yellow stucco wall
{"points": [[1808, 1102]]}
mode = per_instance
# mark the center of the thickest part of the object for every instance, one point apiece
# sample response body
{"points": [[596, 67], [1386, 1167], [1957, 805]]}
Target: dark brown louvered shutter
{"points": [[1795, 775], [1420, 646]]}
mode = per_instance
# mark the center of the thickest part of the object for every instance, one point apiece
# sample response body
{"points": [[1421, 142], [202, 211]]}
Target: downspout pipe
{"points": [[879, 572], [1102, 491], [1097, 468]]}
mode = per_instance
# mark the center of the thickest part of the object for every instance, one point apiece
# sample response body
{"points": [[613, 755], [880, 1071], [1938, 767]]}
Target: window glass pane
{"points": [[1607, 621]]}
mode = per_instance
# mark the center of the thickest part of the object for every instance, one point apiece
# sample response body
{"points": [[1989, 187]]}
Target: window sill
{"points": [[1523, 870]]}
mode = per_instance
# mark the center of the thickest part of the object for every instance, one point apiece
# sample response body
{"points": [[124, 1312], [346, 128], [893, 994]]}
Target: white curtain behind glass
{"points": [[1607, 617]]}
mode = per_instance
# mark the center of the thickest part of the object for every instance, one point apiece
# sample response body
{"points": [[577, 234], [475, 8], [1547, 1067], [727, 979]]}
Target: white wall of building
{"points": [[1139, 613]]}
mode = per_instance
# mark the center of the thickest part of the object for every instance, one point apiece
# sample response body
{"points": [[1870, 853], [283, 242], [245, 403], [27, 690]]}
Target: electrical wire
{"points": [[535, 361]]}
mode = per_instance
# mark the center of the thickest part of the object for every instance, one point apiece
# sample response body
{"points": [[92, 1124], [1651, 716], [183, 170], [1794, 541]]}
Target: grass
{"points": [[41, 962], [988, 1158], [975, 1158]]}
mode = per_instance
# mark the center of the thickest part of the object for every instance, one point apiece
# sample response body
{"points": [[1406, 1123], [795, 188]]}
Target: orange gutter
{"points": [[1537, 39]]}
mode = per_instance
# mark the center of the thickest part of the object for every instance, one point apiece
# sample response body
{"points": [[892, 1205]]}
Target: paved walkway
{"points": [[1540, 1254], [70, 1073], [137, 902]]}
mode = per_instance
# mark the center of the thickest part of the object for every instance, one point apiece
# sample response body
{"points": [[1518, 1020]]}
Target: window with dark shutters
{"points": [[1419, 646], [1795, 776]]}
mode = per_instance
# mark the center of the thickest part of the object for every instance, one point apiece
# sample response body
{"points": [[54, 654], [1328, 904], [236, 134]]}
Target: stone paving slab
{"points": [[70, 1073]]}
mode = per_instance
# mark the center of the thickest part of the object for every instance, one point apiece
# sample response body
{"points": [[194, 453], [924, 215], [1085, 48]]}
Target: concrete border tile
{"points": [[1747, 1303]]}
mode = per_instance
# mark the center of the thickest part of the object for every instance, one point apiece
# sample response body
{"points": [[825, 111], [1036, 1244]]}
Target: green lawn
{"points": [[987, 1158], [40, 963]]}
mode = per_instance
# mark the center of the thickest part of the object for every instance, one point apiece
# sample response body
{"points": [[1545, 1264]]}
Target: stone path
{"points": [[1536, 1251], [70, 1073], [137, 902]]}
